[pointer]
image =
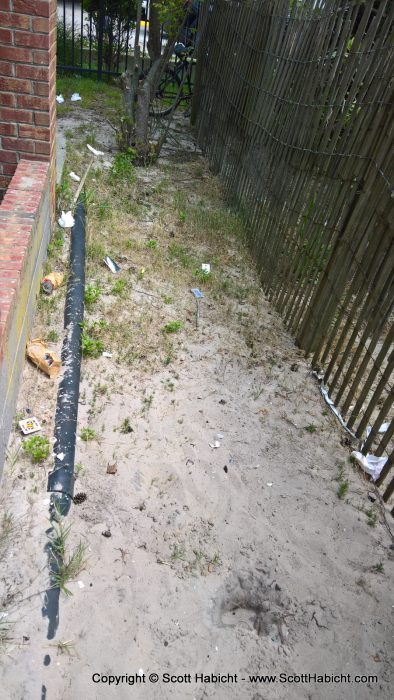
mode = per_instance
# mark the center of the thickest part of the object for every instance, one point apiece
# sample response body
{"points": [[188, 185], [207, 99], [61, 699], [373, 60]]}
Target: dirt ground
{"points": [[221, 544]]}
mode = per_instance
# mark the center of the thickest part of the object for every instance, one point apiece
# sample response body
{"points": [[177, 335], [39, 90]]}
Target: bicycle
{"points": [[175, 85]]}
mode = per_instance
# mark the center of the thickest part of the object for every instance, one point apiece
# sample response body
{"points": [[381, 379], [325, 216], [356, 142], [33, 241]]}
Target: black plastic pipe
{"points": [[61, 479]]}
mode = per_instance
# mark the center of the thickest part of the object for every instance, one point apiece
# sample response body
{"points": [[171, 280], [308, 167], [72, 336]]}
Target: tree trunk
{"points": [[154, 44]]}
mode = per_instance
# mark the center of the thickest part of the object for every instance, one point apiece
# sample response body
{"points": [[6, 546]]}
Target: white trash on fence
{"points": [[383, 429], [370, 464]]}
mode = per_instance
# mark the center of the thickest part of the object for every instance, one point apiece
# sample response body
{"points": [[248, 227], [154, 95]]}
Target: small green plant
{"points": [[7, 527], [123, 167], [60, 535], [379, 568], [119, 287], [172, 327], [168, 300], [92, 294], [310, 428], [152, 244], [341, 472], [68, 568], [5, 637], [215, 561], [91, 347], [147, 401], [78, 470], [67, 647], [52, 336], [12, 456], [168, 384], [178, 252], [88, 434], [178, 554], [167, 360], [182, 216], [343, 488], [126, 427], [372, 517], [202, 276], [37, 447], [200, 556]]}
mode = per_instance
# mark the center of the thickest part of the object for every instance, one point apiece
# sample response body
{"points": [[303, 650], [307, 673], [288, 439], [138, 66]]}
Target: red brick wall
{"points": [[24, 235], [27, 85]]}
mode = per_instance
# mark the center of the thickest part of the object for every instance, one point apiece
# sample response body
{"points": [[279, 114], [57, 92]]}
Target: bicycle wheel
{"points": [[167, 95]]}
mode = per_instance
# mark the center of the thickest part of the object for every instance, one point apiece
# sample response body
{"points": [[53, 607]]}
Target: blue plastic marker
{"points": [[198, 295]]}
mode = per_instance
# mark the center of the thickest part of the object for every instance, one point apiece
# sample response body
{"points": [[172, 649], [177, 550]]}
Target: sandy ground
{"points": [[238, 558]]}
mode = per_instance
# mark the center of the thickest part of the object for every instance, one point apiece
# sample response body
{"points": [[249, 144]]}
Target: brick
{"points": [[7, 156], [18, 55], [6, 68], [12, 19], [9, 266], [8, 99], [15, 85], [8, 168], [5, 5], [6, 36], [31, 102], [43, 148], [8, 130], [41, 24], [41, 89], [41, 58], [16, 115], [41, 118], [35, 41], [33, 132], [4, 180], [41, 8], [35, 156], [12, 255], [33, 72], [18, 144]]}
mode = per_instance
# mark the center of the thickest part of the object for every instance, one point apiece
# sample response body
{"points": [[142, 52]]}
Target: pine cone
{"points": [[79, 498]]}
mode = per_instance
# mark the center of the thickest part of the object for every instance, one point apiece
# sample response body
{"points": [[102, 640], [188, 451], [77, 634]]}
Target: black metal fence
{"points": [[97, 36]]}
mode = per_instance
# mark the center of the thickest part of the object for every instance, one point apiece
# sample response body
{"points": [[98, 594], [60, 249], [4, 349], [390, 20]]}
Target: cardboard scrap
{"points": [[48, 361]]}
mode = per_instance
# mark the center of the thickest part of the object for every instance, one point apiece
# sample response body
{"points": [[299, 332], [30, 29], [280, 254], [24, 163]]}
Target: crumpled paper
{"points": [[75, 97], [66, 220], [74, 177], [60, 99]]}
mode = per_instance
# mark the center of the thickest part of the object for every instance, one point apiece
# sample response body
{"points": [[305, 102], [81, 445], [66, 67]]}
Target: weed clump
{"points": [[88, 434], [172, 327], [91, 347], [37, 447]]}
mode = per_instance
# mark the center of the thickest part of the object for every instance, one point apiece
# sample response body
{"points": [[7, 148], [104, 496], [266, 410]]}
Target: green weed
{"points": [[37, 447], [172, 327], [91, 347], [88, 434], [92, 294], [119, 287]]}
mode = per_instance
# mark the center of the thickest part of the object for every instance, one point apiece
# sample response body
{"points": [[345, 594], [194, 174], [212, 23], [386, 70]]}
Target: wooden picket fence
{"points": [[294, 110]]}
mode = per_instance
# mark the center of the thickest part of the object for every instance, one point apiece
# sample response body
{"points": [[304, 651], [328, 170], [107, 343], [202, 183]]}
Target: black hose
{"points": [[61, 479]]}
